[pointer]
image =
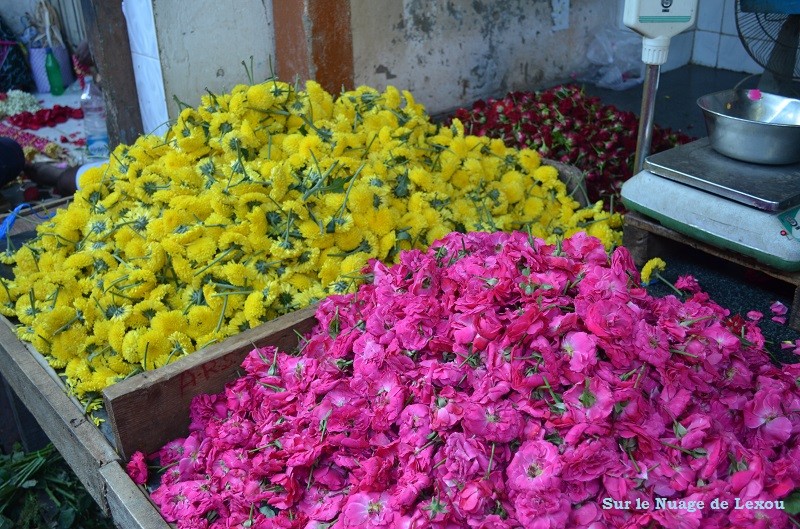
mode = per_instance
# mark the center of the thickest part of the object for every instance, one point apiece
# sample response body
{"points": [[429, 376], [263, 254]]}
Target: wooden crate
{"points": [[84, 447], [152, 408], [145, 411]]}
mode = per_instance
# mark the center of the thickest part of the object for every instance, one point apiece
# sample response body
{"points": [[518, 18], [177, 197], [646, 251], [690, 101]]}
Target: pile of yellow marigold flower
{"points": [[257, 203]]}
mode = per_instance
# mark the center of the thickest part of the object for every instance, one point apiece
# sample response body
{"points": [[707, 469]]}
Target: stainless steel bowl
{"points": [[753, 127]]}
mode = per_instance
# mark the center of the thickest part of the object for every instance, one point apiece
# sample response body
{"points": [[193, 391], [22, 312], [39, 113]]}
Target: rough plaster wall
{"points": [[449, 53], [203, 46], [12, 10]]}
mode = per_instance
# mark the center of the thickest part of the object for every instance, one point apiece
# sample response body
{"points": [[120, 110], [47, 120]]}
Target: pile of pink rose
{"points": [[494, 381]]}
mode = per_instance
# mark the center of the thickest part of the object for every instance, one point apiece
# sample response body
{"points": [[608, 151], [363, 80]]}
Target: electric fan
{"points": [[770, 32]]}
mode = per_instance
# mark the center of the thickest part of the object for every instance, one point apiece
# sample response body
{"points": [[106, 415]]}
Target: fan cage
{"points": [[759, 33]]}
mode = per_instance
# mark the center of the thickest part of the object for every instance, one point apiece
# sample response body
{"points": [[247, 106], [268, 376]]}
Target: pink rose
{"points": [[535, 467], [137, 468]]}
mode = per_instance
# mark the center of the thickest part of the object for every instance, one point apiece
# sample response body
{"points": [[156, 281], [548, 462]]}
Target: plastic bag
{"points": [[43, 30], [616, 59]]}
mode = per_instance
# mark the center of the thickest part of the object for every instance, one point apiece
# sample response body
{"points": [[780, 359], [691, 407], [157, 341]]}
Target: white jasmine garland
{"points": [[16, 102]]}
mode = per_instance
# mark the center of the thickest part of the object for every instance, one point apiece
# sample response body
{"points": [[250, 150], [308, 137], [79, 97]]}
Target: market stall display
{"points": [[257, 203]]}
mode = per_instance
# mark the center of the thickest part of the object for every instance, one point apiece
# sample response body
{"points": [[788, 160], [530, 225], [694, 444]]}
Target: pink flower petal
{"points": [[754, 94], [778, 308]]}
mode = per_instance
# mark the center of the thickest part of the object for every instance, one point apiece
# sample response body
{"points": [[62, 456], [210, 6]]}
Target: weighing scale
{"points": [[749, 208], [752, 209]]}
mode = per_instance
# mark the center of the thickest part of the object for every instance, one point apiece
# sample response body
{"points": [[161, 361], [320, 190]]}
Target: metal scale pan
{"points": [[770, 188]]}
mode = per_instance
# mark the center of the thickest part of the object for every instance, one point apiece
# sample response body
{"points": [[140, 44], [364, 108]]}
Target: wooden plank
{"points": [[129, 503], [79, 441], [150, 409], [108, 41], [29, 218]]}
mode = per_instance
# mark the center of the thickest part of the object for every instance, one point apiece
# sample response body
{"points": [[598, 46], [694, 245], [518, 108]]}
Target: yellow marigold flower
{"points": [[309, 296], [6, 303], [260, 96], [285, 249], [254, 308], [331, 266], [361, 198], [167, 322], [300, 281], [183, 269], [548, 176], [529, 160], [386, 245], [26, 262], [117, 364], [201, 250], [605, 233], [512, 184], [391, 97], [615, 221], [181, 345], [437, 232], [201, 321], [76, 368], [347, 239], [653, 266], [221, 123], [97, 379], [382, 221], [309, 229], [532, 208], [421, 177], [352, 264], [307, 261], [154, 348], [92, 176], [129, 349], [215, 336], [66, 344], [321, 101]]}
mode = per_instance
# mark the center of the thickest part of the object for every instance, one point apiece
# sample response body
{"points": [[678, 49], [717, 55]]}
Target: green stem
{"points": [[222, 313]]}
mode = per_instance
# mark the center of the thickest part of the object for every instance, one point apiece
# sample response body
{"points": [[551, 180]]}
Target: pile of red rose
{"points": [[495, 381]]}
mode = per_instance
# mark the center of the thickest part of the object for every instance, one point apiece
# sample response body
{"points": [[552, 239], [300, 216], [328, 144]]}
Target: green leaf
{"points": [[792, 503], [28, 484], [267, 511], [401, 188], [66, 518], [678, 429]]}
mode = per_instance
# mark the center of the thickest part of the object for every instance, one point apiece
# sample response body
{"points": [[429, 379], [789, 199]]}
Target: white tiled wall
{"points": [[146, 64], [716, 40]]}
